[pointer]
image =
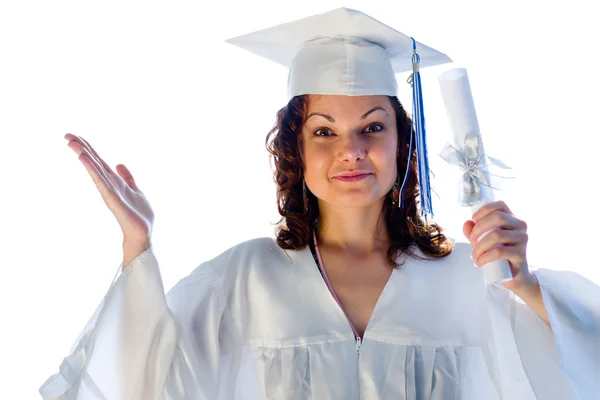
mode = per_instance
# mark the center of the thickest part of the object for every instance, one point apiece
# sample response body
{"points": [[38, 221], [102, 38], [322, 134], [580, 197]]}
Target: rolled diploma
{"points": [[460, 108]]}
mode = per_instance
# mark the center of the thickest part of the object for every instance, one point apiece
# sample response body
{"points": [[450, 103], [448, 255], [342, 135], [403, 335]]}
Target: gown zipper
{"points": [[320, 265]]}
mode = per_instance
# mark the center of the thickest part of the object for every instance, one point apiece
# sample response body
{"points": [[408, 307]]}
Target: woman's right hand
{"points": [[119, 192]]}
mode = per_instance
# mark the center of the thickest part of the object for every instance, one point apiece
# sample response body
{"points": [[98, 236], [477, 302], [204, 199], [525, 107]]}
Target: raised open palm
{"points": [[119, 192]]}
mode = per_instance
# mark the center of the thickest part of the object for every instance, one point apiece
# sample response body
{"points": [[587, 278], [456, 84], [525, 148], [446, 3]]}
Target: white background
{"points": [[153, 85]]}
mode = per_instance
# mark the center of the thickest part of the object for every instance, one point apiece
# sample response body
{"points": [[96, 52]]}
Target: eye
{"points": [[374, 128], [322, 132]]}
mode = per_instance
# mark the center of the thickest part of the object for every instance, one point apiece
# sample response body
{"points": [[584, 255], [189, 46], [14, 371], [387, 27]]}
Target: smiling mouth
{"points": [[352, 178]]}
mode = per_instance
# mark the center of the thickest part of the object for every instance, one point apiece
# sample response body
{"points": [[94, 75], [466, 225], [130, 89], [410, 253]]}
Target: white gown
{"points": [[258, 322]]}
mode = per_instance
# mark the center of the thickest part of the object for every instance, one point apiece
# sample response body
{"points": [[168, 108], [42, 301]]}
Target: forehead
{"points": [[346, 104]]}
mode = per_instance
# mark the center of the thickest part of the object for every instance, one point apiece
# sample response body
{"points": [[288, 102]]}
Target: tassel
{"points": [[418, 120]]}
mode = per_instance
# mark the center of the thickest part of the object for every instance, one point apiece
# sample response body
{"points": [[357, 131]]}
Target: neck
{"points": [[359, 230]]}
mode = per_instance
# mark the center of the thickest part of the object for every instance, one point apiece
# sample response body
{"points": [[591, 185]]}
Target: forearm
{"points": [[532, 296]]}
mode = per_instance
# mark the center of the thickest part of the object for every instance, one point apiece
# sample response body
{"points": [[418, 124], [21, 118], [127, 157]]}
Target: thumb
{"points": [[468, 227], [127, 177]]}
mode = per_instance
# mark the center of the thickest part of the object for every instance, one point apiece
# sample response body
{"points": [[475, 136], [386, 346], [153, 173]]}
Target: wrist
{"points": [[132, 249], [529, 288], [136, 243]]}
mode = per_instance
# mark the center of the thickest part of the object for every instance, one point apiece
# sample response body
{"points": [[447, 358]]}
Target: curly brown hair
{"points": [[405, 227]]}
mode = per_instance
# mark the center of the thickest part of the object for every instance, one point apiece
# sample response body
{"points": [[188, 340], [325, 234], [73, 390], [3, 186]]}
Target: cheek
{"points": [[384, 154], [316, 158]]}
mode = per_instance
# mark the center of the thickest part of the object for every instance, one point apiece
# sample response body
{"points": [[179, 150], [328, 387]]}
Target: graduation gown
{"points": [[258, 322]]}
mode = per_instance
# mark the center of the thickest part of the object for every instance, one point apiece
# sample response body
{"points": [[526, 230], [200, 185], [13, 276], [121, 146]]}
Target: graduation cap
{"points": [[346, 52]]}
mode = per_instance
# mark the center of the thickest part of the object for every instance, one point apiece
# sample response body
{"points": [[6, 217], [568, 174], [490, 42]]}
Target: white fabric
{"points": [[258, 322], [343, 51], [342, 66]]}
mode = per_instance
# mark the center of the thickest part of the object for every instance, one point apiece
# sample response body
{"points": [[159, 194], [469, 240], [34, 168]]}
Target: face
{"points": [[349, 135]]}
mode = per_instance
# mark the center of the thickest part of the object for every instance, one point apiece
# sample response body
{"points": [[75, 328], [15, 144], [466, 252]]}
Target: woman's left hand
{"points": [[507, 241]]}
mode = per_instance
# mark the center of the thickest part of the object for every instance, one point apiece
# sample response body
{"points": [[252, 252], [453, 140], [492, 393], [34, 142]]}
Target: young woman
{"points": [[355, 298]]}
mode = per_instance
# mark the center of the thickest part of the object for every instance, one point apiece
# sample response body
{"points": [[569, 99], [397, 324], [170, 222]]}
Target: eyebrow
{"points": [[331, 119]]}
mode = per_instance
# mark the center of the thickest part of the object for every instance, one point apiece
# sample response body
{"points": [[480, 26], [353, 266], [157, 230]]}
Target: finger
{"points": [[105, 165], [490, 208], [498, 238], [82, 152], [498, 219], [124, 173], [104, 188], [514, 254], [80, 143]]}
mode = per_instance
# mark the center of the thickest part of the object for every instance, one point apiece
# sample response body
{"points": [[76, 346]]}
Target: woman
{"points": [[413, 320]]}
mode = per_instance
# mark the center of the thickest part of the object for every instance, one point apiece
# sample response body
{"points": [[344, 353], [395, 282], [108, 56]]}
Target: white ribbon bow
{"points": [[471, 159]]}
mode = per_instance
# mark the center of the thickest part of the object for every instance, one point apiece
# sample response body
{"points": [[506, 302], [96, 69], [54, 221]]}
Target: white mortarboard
{"points": [[339, 52], [346, 52]]}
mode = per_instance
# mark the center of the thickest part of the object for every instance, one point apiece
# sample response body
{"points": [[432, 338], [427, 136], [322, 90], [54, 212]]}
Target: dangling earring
{"points": [[304, 196], [395, 192]]}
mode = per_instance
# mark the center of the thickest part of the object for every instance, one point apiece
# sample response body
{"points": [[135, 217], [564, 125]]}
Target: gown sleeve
{"points": [[573, 306], [535, 361], [139, 344]]}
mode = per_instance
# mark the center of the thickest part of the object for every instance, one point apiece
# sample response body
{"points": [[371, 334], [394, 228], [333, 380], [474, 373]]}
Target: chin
{"points": [[355, 200]]}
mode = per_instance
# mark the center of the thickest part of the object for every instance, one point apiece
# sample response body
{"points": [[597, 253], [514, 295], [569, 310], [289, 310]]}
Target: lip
{"points": [[353, 173], [352, 177]]}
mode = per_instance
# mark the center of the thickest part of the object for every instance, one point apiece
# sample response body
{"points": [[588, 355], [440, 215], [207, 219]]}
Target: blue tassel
{"points": [[418, 120]]}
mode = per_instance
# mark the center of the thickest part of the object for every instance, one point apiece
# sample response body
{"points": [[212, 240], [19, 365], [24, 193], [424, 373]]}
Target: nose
{"points": [[352, 149]]}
